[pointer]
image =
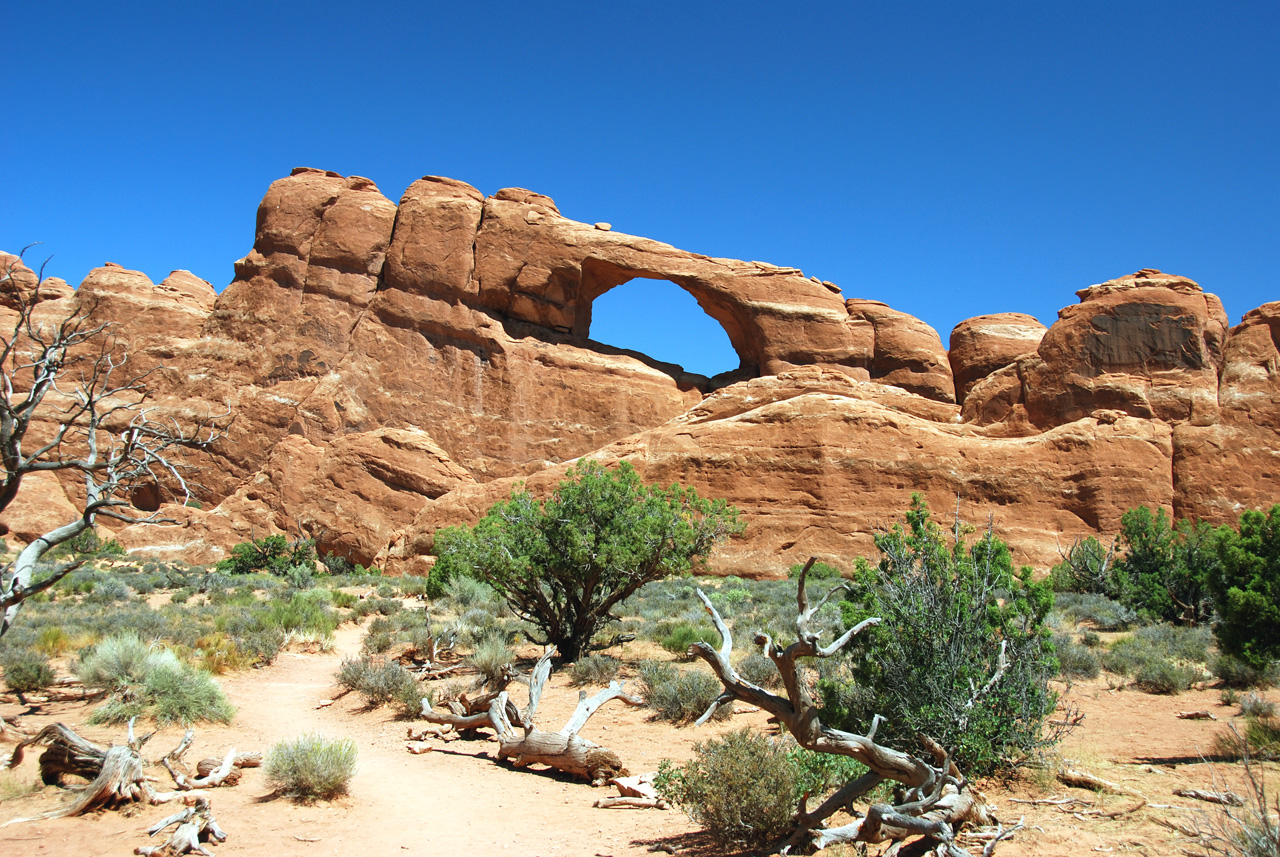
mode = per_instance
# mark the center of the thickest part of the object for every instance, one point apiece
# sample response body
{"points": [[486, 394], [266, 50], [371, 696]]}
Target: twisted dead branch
{"points": [[116, 773], [934, 800], [520, 740]]}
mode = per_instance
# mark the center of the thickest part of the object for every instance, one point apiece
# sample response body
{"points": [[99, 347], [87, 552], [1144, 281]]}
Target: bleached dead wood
{"points": [[522, 742], [195, 826], [1203, 714], [936, 799], [631, 803], [1085, 780], [635, 792], [1224, 798], [424, 659], [116, 772]]}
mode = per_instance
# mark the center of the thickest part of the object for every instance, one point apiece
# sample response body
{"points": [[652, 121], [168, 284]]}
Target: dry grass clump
{"points": [[312, 767]]}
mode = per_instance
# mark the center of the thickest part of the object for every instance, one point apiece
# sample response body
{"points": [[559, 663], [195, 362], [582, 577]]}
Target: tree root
{"points": [[116, 773]]}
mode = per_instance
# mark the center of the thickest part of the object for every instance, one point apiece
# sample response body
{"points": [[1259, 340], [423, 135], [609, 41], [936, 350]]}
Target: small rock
{"points": [[604, 227]]}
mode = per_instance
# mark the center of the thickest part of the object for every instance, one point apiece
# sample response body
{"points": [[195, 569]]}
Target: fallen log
{"points": [[525, 744], [115, 773], [1223, 798]]}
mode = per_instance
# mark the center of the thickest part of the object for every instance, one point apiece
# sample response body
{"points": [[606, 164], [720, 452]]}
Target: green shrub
{"points": [[818, 571], [1160, 658], [1086, 567], [338, 565], [1260, 740], [594, 670], [741, 788], [272, 554], [466, 592], [949, 613], [563, 563], [679, 638], [1253, 705], [1075, 660], [1246, 589], [1163, 572], [379, 681], [758, 669], [819, 773], [142, 680], [115, 663], [1162, 676], [26, 671], [183, 694], [680, 696], [1235, 673], [307, 612], [1098, 610], [311, 767]]}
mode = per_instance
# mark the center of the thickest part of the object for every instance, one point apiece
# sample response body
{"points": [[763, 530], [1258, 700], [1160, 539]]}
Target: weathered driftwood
{"points": [[1224, 798], [935, 799], [636, 792], [116, 772], [525, 744], [424, 659], [195, 826], [1085, 780]]}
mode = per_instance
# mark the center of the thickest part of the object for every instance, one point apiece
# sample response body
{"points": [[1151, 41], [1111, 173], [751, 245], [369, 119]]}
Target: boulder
{"points": [[1148, 344], [988, 343]]}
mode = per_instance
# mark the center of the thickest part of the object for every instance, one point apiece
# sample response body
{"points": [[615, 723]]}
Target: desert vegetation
{"points": [[147, 640]]}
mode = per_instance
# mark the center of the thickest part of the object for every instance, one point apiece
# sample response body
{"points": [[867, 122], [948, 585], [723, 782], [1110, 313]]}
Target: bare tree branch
{"points": [[68, 386]]}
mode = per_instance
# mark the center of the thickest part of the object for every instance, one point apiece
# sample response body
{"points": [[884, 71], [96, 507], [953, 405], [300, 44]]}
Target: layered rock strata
{"points": [[395, 368]]}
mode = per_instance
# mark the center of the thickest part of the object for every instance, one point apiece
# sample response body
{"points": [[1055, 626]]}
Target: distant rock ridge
{"points": [[395, 368]]}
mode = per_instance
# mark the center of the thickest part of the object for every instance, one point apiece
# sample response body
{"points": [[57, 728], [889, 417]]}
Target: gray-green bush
{"points": [[741, 788], [312, 767], [680, 695]]}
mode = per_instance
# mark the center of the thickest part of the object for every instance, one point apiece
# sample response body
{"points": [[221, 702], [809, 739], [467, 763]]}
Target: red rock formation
{"points": [[395, 368], [819, 462], [1149, 344], [988, 343]]}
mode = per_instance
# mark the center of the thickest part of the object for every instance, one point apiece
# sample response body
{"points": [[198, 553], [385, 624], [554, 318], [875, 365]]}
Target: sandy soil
{"points": [[456, 799]]}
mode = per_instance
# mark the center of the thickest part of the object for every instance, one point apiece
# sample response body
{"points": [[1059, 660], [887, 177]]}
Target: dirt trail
{"points": [[454, 798]]}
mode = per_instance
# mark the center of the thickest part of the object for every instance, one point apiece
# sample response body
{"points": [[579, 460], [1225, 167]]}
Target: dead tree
{"points": [[424, 658], [116, 773], [526, 744], [933, 801], [196, 825], [70, 400]]}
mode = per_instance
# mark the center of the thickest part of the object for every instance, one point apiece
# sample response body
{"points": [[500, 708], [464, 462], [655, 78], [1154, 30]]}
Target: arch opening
{"points": [[664, 322]]}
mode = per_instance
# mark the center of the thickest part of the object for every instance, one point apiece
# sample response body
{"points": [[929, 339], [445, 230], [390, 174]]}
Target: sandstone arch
{"points": [[600, 278]]}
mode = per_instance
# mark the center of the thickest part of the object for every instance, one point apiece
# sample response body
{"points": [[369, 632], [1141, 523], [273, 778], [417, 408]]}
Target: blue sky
{"points": [[949, 159]]}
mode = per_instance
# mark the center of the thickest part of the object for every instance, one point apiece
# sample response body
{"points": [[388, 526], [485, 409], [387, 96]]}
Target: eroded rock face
{"points": [[1234, 464], [1149, 344], [818, 461], [394, 368], [988, 343]]}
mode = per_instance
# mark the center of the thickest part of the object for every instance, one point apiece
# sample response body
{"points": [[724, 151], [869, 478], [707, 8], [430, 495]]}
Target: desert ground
{"points": [[455, 798]]}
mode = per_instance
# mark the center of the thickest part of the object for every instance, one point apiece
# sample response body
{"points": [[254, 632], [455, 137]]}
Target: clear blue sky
{"points": [[951, 159]]}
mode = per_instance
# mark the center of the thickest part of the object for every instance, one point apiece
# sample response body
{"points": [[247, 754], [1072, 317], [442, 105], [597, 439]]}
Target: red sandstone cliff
{"points": [[394, 368]]}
